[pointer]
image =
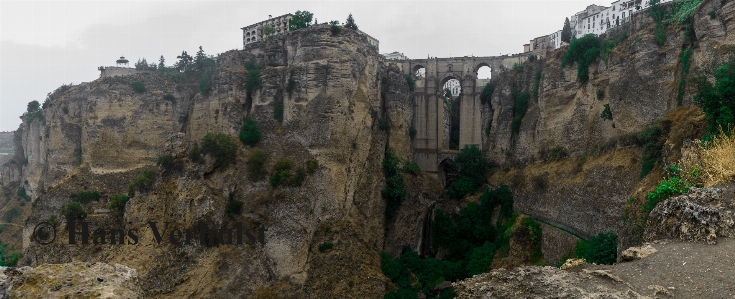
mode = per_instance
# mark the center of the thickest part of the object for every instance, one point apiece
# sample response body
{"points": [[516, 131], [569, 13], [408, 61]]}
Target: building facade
{"points": [[394, 56], [256, 32]]}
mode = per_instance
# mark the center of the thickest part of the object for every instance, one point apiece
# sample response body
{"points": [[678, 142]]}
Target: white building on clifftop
{"points": [[255, 32]]}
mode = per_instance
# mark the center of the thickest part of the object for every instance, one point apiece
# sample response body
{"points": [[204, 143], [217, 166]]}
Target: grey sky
{"points": [[45, 44]]}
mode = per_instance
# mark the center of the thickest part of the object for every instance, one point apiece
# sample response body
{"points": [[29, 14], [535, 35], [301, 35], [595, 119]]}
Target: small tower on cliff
{"points": [[122, 62]]}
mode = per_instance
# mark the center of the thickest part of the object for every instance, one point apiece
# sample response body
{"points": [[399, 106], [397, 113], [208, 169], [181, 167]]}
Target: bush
{"points": [[169, 163], [394, 193], [412, 132], [472, 168], [8, 259], [249, 134], [411, 83], [326, 246], [665, 190], [383, 125], [558, 152], [487, 93], [652, 139], [73, 211], [584, 51], [411, 168], [600, 93], [221, 147], [311, 165], [253, 80], [234, 207], [117, 203], [335, 28], [169, 97], [520, 108], [195, 153], [21, 193], [282, 175], [11, 214], [606, 113], [716, 100], [85, 197], [600, 249], [144, 182], [139, 87], [256, 165]]}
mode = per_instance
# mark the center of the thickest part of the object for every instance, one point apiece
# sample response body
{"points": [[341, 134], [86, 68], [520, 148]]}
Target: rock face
{"points": [[701, 215], [73, 280], [542, 282], [333, 90]]}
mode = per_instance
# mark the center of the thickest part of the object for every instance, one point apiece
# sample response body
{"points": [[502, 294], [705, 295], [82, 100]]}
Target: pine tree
{"points": [[350, 23], [161, 63], [566, 32]]}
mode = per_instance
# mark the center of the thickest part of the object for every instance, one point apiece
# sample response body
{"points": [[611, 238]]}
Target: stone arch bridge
{"points": [[430, 114]]}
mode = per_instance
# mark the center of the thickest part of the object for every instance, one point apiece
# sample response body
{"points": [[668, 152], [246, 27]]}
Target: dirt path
{"points": [[686, 270]]}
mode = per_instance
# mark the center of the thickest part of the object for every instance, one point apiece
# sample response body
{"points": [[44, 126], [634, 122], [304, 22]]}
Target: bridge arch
{"points": [[483, 71], [419, 71], [447, 171]]}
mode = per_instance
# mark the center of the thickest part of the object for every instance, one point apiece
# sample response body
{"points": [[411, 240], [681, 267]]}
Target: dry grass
{"points": [[714, 163]]}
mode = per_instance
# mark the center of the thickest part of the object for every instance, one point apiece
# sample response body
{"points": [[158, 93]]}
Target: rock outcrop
{"points": [[701, 215]]}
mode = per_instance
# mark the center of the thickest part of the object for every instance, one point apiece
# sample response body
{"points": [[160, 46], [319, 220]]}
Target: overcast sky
{"points": [[44, 44]]}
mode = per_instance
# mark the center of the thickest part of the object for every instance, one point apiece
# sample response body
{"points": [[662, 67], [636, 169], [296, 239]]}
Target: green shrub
{"points": [[195, 153], [600, 93], [278, 109], [282, 175], [53, 219], [652, 139], [472, 168], [169, 163], [394, 193], [606, 113], [536, 85], [584, 51], [11, 214], [256, 165], [311, 165], [205, 82], [600, 249], [169, 97], [487, 93], [326, 246], [411, 168], [716, 100], [383, 125], [672, 187], [221, 146], [249, 134], [335, 28], [253, 80], [144, 182], [21, 193], [8, 259], [73, 211], [139, 87], [411, 83], [117, 203], [412, 274], [234, 207], [85, 197], [520, 108], [558, 152]]}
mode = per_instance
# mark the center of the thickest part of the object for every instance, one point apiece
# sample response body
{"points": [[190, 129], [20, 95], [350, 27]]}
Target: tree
{"points": [[300, 19], [142, 64], [161, 63], [200, 59], [269, 30], [566, 32], [350, 23], [33, 107], [184, 61]]}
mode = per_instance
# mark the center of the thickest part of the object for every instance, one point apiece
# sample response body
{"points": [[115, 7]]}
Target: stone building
{"points": [[255, 32], [394, 56]]}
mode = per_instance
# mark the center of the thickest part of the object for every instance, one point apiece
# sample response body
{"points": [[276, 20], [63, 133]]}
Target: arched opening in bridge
{"points": [[419, 72], [447, 172], [484, 72], [451, 94]]}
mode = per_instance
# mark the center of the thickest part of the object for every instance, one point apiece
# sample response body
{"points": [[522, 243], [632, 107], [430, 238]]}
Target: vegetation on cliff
{"points": [[471, 168], [584, 51], [395, 192]]}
